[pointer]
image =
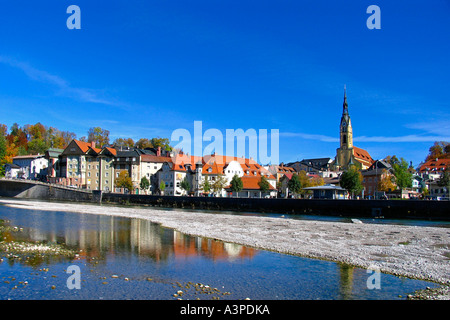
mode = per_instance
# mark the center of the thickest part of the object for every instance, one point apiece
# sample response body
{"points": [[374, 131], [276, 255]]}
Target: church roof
{"points": [[362, 156]]}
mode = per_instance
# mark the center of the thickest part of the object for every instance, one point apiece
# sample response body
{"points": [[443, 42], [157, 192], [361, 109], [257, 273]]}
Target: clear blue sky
{"points": [[145, 68]]}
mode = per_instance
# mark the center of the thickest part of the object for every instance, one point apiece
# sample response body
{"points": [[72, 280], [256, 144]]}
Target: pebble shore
{"points": [[410, 251]]}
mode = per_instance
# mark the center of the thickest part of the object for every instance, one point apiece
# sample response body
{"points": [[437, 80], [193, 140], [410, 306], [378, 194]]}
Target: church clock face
{"points": [[344, 124]]}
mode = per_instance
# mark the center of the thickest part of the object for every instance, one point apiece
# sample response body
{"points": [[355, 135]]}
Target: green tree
{"points": [[185, 185], [144, 184], [294, 184], [124, 181], [236, 184], [403, 177], [264, 184], [162, 187], [164, 143], [444, 180], [352, 180], [205, 186], [2, 154], [219, 183]]}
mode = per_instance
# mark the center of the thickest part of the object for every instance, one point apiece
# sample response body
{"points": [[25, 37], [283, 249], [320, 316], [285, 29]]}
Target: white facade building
{"points": [[31, 166]]}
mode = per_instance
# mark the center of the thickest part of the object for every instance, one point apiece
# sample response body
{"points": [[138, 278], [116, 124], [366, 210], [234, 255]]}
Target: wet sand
{"points": [[411, 251]]}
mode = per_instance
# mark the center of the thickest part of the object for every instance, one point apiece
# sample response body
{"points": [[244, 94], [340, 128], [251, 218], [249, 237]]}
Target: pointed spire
{"points": [[345, 105]]}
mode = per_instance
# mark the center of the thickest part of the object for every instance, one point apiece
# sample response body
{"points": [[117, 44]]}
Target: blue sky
{"points": [[145, 68]]}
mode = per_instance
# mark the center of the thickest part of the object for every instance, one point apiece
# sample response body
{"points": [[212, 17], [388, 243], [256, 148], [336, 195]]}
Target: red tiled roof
{"points": [[362, 155], [433, 165], [151, 158], [112, 150], [84, 146], [215, 164]]}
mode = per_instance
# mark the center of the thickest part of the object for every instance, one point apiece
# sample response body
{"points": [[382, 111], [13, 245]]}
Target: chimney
{"points": [[93, 144], [158, 152]]}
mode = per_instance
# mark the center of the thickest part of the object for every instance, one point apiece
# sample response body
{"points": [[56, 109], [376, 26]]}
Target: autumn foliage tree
{"points": [[387, 181], [440, 149], [124, 181]]}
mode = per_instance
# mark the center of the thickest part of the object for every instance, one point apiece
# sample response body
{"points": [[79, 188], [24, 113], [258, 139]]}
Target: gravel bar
{"points": [[410, 251]]}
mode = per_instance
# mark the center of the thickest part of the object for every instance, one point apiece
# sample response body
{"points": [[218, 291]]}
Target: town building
{"points": [[12, 171], [317, 166], [33, 167], [73, 165], [328, 191], [214, 169], [435, 166], [372, 177], [52, 156], [278, 171], [128, 159]]}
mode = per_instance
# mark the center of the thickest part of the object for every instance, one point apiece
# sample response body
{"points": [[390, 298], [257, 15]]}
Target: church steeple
{"points": [[345, 105], [346, 131]]}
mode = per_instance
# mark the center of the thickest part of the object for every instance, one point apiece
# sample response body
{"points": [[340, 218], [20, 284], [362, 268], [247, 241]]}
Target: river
{"points": [[131, 258]]}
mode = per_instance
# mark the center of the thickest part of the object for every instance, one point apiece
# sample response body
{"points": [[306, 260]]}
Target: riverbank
{"points": [[414, 252]]}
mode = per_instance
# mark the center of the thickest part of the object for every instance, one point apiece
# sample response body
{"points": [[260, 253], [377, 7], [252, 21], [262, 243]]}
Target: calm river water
{"points": [[123, 258]]}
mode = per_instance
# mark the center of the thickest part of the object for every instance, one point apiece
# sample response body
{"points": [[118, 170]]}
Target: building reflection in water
{"points": [[102, 237]]}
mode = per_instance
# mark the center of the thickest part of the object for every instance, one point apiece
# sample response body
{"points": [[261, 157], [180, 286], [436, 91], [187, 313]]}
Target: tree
{"points": [[164, 143], [124, 181], [143, 143], [352, 180], [120, 142], [236, 184], [440, 149], [99, 136], [205, 186], [264, 184], [162, 187], [444, 180], [219, 183], [2, 154], [185, 185], [387, 181], [403, 177], [294, 184], [144, 184]]}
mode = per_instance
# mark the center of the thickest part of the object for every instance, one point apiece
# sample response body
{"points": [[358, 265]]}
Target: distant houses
{"points": [[86, 166]]}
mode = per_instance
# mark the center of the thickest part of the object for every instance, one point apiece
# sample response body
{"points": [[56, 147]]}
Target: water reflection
{"points": [[105, 236], [138, 249]]}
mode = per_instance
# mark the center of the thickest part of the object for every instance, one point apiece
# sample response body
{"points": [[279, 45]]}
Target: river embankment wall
{"points": [[413, 209], [27, 189], [396, 209]]}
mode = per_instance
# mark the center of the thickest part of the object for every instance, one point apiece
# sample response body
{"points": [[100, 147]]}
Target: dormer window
{"points": [[209, 169]]}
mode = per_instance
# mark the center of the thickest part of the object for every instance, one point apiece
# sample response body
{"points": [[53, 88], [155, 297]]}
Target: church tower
{"points": [[347, 154], [344, 154], [346, 131]]}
